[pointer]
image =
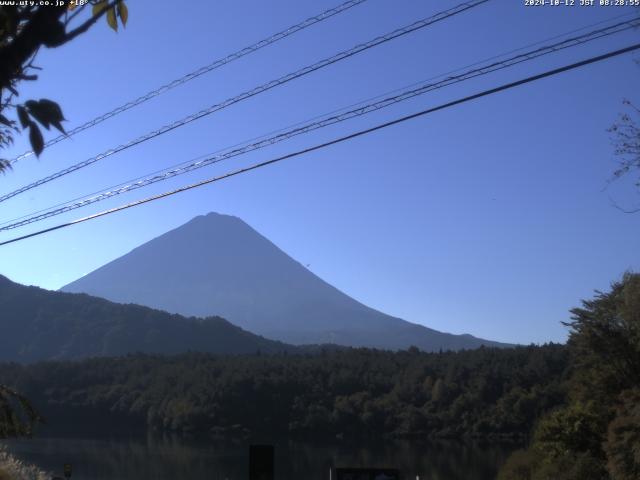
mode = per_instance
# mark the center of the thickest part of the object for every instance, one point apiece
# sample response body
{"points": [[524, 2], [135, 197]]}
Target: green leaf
{"points": [[23, 116], [123, 13], [98, 7], [35, 137], [111, 19]]}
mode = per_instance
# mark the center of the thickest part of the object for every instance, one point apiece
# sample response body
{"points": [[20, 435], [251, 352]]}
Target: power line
{"points": [[202, 162], [257, 90], [345, 138], [264, 141], [369, 99], [200, 71]]}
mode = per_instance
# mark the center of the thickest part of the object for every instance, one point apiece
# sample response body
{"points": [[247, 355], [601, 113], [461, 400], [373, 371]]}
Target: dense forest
{"points": [[595, 434], [475, 393]]}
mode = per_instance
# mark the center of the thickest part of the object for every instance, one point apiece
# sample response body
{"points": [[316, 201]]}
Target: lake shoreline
{"points": [[165, 457]]}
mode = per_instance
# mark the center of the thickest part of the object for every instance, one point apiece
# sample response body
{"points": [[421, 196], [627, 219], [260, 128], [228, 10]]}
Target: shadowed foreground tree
{"points": [[24, 30], [623, 438], [17, 416], [596, 436]]}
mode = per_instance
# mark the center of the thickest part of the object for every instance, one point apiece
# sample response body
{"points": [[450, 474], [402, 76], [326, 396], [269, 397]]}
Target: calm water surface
{"points": [[165, 458]]}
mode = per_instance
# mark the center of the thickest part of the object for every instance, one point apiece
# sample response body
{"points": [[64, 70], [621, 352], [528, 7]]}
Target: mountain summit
{"points": [[218, 265]]}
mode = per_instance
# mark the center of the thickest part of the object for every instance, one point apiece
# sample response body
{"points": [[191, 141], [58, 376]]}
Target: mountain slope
{"points": [[37, 324], [218, 265]]}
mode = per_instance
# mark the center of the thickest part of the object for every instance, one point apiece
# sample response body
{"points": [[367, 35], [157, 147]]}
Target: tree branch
{"points": [[90, 22], [75, 14], [618, 207]]}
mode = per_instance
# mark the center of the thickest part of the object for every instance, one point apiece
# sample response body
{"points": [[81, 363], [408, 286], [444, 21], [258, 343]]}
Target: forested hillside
{"points": [[595, 435], [37, 324], [479, 393]]}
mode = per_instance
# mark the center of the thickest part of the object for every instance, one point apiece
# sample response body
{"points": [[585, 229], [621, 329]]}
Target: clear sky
{"points": [[492, 218]]}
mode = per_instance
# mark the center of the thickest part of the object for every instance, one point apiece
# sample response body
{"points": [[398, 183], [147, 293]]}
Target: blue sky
{"points": [[492, 218]]}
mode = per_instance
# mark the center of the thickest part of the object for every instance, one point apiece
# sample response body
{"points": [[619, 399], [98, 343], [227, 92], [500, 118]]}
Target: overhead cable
{"points": [[345, 138], [199, 72], [251, 93], [324, 122]]}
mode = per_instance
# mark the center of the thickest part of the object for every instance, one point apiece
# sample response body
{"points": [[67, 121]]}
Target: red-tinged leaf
{"points": [[98, 7], [123, 13], [111, 19]]}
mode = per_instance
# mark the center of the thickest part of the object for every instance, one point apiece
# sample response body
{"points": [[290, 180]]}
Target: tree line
{"points": [[595, 434], [351, 392]]}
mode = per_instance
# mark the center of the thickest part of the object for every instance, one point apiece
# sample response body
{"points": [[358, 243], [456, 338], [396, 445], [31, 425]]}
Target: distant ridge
{"points": [[218, 265], [37, 324]]}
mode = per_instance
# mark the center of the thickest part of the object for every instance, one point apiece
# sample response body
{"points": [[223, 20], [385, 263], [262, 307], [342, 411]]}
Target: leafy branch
{"points": [[17, 415], [24, 29]]}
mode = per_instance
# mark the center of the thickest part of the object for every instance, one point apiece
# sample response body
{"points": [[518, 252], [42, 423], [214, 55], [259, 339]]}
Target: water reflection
{"points": [[171, 457]]}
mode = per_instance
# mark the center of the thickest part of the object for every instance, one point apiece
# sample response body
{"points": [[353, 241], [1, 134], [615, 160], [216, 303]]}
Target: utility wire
{"points": [[257, 90], [283, 129], [329, 120], [369, 99], [345, 138], [342, 109], [200, 71]]}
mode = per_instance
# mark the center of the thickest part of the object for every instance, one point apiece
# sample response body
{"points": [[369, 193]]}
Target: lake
{"points": [[171, 457]]}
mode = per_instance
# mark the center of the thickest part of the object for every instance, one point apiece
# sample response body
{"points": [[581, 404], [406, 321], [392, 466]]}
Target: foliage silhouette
{"points": [[25, 28]]}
